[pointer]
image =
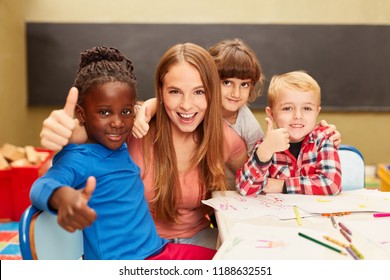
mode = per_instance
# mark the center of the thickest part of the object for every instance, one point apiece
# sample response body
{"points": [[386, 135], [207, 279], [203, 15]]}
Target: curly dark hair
{"points": [[100, 65]]}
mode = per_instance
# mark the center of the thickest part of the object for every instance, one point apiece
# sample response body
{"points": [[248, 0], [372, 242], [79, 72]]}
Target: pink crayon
{"points": [[381, 215]]}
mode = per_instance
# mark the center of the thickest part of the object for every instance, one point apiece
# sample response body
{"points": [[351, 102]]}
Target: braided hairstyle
{"points": [[100, 65]]}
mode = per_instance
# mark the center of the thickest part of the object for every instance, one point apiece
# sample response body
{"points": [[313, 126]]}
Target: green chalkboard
{"points": [[350, 62]]}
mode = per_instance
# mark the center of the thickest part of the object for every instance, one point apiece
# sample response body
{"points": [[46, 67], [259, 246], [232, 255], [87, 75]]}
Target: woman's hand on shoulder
{"points": [[335, 135]]}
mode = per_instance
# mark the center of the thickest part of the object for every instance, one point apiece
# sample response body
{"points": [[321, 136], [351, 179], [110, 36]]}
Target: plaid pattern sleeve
{"points": [[252, 176], [317, 170]]}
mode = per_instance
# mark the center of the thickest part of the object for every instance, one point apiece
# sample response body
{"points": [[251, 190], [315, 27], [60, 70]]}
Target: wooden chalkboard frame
{"points": [[350, 62]]}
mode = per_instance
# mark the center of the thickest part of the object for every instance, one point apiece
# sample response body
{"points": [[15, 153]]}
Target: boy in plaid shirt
{"points": [[298, 156]]}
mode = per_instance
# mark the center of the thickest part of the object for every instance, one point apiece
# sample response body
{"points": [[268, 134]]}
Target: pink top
{"points": [[192, 219]]}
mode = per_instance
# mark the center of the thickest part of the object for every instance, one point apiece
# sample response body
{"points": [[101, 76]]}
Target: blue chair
{"points": [[352, 168], [42, 238]]}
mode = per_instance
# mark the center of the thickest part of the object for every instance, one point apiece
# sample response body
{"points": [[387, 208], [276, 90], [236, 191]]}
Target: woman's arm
{"points": [[335, 135]]}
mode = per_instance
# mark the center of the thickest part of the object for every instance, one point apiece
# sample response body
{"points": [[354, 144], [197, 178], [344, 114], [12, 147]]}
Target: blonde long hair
{"points": [[209, 154]]}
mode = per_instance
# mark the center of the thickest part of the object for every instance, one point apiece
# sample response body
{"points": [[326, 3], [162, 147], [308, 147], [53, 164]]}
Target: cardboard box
{"points": [[15, 185], [384, 176]]}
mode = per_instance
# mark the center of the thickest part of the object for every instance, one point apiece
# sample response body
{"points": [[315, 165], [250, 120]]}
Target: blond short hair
{"points": [[298, 80]]}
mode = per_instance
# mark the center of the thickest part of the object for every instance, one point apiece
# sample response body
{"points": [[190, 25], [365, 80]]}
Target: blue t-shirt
{"points": [[124, 228]]}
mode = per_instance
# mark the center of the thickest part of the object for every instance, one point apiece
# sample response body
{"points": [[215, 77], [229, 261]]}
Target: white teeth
{"points": [[187, 116]]}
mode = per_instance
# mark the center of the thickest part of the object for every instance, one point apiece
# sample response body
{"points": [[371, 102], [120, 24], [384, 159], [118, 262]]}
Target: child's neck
{"points": [[230, 117]]}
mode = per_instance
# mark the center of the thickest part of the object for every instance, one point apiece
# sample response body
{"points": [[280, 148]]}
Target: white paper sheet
{"points": [[247, 241], [246, 207], [281, 205], [349, 201]]}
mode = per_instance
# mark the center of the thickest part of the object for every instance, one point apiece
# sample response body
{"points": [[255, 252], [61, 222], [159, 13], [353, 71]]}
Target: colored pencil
{"points": [[321, 243], [332, 218], [297, 216], [345, 234], [336, 214], [345, 228], [352, 253], [335, 241], [381, 215], [356, 251]]}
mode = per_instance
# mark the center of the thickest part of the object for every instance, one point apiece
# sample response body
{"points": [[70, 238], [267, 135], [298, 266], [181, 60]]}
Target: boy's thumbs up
{"points": [[270, 124], [71, 102], [276, 139]]}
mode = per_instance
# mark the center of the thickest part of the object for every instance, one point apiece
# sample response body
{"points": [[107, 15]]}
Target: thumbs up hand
{"points": [[143, 117], [72, 205], [60, 128], [141, 122], [275, 140]]}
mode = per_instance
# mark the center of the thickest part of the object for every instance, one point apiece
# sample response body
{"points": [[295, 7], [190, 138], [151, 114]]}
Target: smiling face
{"points": [[184, 99], [107, 113], [295, 111], [235, 94]]}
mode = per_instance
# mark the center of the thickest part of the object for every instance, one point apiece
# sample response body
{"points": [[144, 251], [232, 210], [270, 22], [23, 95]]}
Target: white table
{"points": [[362, 221]]}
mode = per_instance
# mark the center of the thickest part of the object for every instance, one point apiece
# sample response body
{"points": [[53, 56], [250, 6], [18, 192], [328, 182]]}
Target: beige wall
{"points": [[19, 124]]}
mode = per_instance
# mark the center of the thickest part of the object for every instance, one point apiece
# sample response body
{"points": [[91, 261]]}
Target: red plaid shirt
{"points": [[316, 171]]}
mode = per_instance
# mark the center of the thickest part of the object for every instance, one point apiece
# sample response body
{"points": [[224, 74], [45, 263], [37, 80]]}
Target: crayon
{"points": [[333, 221], [356, 251], [345, 234], [297, 216], [352, 253], [336, 214], [335, 241], [381, 215], [345, 228]]}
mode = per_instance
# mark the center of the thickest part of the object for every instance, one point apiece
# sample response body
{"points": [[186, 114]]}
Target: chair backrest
{"points": [[352, 168], [42, 238]]}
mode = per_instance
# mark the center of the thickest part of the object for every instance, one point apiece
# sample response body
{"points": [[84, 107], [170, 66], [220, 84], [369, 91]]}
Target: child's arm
{"points": [[273, 186], [62, 190], [141, 123], [72, 206], [252, 177], [275, 140]]}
